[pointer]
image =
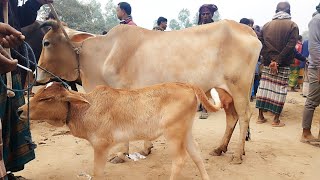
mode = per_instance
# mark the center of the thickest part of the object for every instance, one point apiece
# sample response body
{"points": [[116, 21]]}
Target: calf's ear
{"points": [[75, 98]]}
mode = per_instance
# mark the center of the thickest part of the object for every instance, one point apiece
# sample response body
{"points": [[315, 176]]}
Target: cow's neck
{"points": [[91, 68]]}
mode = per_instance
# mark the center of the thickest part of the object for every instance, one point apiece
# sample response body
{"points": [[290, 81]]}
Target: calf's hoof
{"points": [[146, 152], [117, 160], [236, 160]]}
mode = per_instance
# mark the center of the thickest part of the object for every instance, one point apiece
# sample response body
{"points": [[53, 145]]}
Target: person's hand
{"points": [[6, 63], [10, 37], [273, 67], [45, 1]]}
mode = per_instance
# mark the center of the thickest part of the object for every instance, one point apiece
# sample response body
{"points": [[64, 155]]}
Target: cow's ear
{"points": [[76, 98], [81, 37]]}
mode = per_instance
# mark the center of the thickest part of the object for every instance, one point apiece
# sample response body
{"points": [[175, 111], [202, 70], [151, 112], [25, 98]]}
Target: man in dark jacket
{"points": [[18, 148], [279, 38]]}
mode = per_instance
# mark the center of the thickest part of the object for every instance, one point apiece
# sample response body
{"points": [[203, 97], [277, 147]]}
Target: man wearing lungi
{"points": [[279, 38]]}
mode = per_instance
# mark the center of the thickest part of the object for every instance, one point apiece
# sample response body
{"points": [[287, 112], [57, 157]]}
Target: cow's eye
{"points": [[46, 43]]}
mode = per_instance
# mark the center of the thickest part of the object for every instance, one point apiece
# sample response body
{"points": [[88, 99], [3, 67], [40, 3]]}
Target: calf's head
{"points": [[51, 104]]}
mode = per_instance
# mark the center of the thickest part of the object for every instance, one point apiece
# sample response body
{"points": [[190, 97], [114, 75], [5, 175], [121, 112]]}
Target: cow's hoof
{"points": [[117, 160], [216, 152], [236, 160]]}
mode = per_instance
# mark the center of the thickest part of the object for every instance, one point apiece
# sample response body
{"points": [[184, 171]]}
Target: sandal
{"points": [[278, 124], [203, 115], [13, 177]]}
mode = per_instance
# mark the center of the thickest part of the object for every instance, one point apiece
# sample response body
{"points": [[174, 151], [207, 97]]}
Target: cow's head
{"points": [[50, 104], [58, 55]]}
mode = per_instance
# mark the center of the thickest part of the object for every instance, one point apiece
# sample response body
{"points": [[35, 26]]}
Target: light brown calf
{"points": [[107, 116]]}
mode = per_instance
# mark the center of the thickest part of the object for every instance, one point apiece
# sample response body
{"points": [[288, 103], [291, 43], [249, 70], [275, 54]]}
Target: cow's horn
{"points": [[53, 24]]}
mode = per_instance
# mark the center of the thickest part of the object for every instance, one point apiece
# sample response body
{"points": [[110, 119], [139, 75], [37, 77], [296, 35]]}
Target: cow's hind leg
{"points": [[194, 153], [232, 119], [243, 110]]}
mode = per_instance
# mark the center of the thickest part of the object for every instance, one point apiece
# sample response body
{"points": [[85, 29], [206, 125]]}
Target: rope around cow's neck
{"points": [[28, 62]]}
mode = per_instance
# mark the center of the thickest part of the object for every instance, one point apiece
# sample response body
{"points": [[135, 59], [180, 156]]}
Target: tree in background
{"points": [[174, 25], [305, 35], [110, 15], [182, 22], [84, 15]]}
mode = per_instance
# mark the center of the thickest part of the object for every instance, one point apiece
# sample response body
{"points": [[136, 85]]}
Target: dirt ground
{"points": [[273, 153]]}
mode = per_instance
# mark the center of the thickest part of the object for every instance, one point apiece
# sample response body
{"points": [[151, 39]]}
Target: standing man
{"points": [[313, 98], [6, 65], [206, 13], [279, 38], [161, 24], [124, 13], [18, 148]]}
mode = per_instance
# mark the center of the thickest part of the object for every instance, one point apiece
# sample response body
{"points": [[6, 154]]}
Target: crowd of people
{"points": [[279, 69]]}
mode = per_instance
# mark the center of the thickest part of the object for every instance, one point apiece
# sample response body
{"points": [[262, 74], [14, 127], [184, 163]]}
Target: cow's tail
{"points": [[205, 101]]}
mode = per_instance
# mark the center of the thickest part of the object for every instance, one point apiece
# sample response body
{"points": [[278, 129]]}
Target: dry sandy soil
{"points": [[273, 153]]}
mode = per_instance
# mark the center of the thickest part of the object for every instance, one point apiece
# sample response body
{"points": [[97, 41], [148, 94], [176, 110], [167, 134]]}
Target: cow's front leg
{"points": [[121, 155], [147, 148]]}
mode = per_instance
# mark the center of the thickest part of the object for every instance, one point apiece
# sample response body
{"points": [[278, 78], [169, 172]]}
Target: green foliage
{"points": [[174, 25], [182, 22], [84, 15], [305, 35], [110, 15]]}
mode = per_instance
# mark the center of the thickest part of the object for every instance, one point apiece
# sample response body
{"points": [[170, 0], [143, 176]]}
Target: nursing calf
{"points": [[108, 116]]}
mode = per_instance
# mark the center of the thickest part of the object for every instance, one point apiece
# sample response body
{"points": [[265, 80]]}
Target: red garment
{"points": [[132, 23], [299, 49]]}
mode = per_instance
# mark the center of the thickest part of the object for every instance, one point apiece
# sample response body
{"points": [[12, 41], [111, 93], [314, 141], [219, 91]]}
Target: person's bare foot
{"points": [[261, 120], [277, 124], [309, 138], [293, 90]]}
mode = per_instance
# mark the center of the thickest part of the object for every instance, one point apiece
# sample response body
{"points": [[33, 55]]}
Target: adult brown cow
{"points": [[34, 35], [221, 55]]}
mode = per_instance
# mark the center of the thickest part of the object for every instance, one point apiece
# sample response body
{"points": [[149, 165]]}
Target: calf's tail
{"points": [[205, 101]]}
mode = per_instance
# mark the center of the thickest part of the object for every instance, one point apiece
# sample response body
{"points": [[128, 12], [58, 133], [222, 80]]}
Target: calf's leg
{"points": [[120, 157], [194, 153], [147, 148], [100, 158], [178, 153]]}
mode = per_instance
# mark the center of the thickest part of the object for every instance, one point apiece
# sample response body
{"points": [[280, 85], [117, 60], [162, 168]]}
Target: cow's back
{"points": [[212, 55]]}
